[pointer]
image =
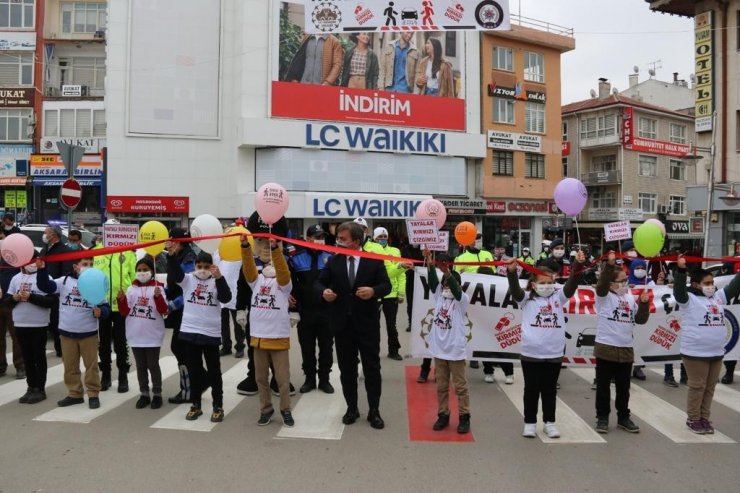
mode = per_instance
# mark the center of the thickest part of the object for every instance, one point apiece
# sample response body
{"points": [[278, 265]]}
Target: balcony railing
{"points": [[85, 92], [613, 177]]}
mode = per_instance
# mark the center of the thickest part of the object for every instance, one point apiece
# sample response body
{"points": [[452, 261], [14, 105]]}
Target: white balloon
{"points": [[206, 225]]}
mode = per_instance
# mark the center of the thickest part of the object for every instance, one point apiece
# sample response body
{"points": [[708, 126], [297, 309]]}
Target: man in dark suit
{"points": [[352, 285]]}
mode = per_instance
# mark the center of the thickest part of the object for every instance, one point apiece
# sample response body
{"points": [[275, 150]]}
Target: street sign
{"points": [[70, 194], [71, 156]]}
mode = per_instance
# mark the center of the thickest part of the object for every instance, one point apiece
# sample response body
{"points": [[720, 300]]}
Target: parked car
{"points": [[36, 232]]}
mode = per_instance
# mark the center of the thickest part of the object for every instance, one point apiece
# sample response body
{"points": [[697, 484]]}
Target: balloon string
{"points": [[578, 233]]}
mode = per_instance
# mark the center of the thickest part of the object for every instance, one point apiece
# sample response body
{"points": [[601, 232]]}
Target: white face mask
{"points": [[446, 293], [144, 277], [632, 254], [544, 290], [622, 289], [45, 239], [82, 269], [320, 242], [269, 271], [478, 244], [640, 273], [202, 274], [340, 244], [558, 252], [709, 290], [31, 268]]}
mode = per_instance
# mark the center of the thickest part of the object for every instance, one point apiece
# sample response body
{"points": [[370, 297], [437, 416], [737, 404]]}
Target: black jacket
{"points": [[57, 269]]}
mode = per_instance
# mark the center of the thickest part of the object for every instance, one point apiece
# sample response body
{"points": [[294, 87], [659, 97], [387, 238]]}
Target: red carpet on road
{"points": [[421, 400]]}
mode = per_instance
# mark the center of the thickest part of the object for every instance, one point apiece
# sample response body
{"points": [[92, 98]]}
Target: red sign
{"points": [[628, 126], [70, 194], [146, 204], [638, 144], [366, 106], [522, 207], [565, 150], [495, 206]]}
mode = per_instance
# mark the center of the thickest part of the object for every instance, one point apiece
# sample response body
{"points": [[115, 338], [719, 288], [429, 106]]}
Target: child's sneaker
{"points": [[194, 413], [488, 378], [627, 425], [551, 430], [509, 380], [709, 429], [217, 415], [697, 426], [288, 418], [265, 418], [602, 425], [530, 430]]}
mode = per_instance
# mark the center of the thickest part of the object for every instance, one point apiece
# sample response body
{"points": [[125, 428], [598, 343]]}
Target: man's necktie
{"points": [[351, 271]]}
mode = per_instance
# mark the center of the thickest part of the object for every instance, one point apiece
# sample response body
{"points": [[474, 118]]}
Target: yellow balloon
{"points": [[230, 248], [153, 231]]}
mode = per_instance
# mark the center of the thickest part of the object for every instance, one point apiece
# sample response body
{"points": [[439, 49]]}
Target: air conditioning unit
{"points": [[664, 209], [99, 35], [84, 91]]}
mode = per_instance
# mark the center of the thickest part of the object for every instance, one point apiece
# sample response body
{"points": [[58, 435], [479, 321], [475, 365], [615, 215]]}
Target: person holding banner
{"points": [[703, 334], [617, 313], [543, 339]]}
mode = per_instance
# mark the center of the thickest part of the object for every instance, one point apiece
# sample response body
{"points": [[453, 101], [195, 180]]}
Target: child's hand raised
{"points": [[644, 297], [215, 272], [512, 265], [611, 258], [40, 264], [245, 241], [580, 257], [681, 262]]}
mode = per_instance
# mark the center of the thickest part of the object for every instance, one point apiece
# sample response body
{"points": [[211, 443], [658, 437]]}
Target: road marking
{"points": [[175, 419], [573, 428], [108, 400], [723, 394], [317, 415], [661, 415], [13, 390]]}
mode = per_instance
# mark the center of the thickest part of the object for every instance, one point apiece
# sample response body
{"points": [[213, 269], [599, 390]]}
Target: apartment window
{"points": [[565, 167], [17, 13], [503, 163], [677, 205], [84, 71], [647, 166], [647, 202], [604, 163], [534, 66], [503, 58], [647, 128], [678, 170], [74, 123], [534, 117], [534, 165], [16, 69], [565, 131], [598, 126], [81, 17], [14, 124], [503, 110], [604, 200], [677, 133]]}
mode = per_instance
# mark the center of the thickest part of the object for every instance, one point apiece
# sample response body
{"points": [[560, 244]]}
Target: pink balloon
{"points": [[570, 196], [658, 224], [17, 250], [271, 202], [432, 209]]}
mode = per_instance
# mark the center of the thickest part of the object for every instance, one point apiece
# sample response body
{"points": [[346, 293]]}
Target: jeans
{"points": [[32, 341], [113, 329], [227, 316], [201, 378], [621, 373], [147, 361], [540, 381]]}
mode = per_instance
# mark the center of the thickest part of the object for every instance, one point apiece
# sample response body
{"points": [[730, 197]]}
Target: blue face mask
{"points": [[383, 242], [74, 246]]}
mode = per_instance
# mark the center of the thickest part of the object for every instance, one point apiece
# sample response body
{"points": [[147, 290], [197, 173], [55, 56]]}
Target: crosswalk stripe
{"points": [[723, 394], [573, 429], [661, 415], [175, 419], [13, 390], [318, 415], [108, 400]]}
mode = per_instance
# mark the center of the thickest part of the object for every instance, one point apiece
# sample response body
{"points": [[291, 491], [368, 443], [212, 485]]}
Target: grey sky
{"points": [[612, 36]]}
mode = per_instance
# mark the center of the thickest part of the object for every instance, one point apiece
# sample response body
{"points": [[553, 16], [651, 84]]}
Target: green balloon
{"points": [[648, 239]]}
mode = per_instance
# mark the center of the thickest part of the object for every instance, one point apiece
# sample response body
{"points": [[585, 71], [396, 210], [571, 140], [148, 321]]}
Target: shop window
{"points": [[74, 123], [565, 131], [678, 170], [534, 66], [565, 167], [534, 117], [14, 125], [16, 69], [647, 202], [503, 111], [503, 58], [79, 17], [17, 13], [647, 166], [503, 163], [534, 165], [677, 205]]}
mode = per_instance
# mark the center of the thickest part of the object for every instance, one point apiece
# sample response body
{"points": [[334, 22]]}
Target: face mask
{"points": [[144, 277], [546, 249], [383, 243], [446, 293], [31, 268], [269, 271], [45, 239], [639, 273], [525, 254], [341, 244], [709, 290], [632, 254], [8, 228], [544, 290], [622, 289], [74, 246], [558, 253], [82, 269], [479, 244], [320, 242], [202, 274]]}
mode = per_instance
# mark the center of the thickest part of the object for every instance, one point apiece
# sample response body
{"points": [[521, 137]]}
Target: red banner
{"points": [[628, 126], [147, 204], [634, 143], [366, 106]]}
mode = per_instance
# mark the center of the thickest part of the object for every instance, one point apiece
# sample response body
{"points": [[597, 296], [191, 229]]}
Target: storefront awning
{"points": [[57, 182], [685, 236]]}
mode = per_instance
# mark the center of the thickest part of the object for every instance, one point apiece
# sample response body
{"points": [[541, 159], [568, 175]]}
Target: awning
{"points": [[685, 236], [57, 182], [13, 180]]}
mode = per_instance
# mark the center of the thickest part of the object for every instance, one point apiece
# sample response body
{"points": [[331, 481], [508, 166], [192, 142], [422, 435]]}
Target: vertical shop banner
{"points": [[493, 320], [10, 199], [704, 70], [325, 77], [628, 127], [21, 199]]}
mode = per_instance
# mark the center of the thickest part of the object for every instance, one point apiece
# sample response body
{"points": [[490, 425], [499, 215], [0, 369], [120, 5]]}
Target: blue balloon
{"points": [[93, 285]]}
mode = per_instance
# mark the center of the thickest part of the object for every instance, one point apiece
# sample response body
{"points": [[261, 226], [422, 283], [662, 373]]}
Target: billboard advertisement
{"points": [[409, 78]]}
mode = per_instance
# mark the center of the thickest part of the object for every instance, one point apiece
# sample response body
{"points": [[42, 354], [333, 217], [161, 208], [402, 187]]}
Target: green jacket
{"points": [[120, 274], [468, 256], [396, 273]]}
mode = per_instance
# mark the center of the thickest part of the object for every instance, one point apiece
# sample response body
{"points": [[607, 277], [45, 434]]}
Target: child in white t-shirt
{"points": [[543, 337], [447, 341]]}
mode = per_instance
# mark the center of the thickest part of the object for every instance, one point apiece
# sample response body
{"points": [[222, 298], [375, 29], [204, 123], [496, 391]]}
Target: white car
{"points": [[36, 232]]}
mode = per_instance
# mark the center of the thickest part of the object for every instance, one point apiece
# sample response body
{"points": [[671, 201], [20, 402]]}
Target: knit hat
{"points": [[361, 221], [315, 230], [379, 231], [556, 242], [628, 245]]}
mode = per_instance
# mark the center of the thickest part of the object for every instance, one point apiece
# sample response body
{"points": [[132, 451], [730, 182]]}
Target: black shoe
{"points": [[177, 399], [105, 383], [408, 329], [443, 421], [70, 401], [276, 390], [352, 415], [59, 353], [143, 402], [156, 402], [122, 386], [239, 353], [93, 403], [395, 356], [265, 418], [627, 425], [670, 382], [20, 374], [464, 425], [326, 387], [309, 385], [248, 386], [728, 378], [474, 364], [224, 352], [24, 398], [373, 416], [423, 376], [638, 374], [287, 418], [684, 380], [602, 425], [37, 396]]}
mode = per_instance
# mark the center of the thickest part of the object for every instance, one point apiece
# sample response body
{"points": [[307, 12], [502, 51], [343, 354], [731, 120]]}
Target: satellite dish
{"points": [[636, 69], [651, 72], [593, 93], [692, 78], [615, 91]]}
